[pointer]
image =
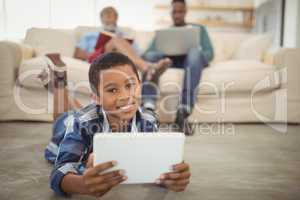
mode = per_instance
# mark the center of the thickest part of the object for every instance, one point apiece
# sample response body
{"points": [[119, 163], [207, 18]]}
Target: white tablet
{"points": [[143, 156]]}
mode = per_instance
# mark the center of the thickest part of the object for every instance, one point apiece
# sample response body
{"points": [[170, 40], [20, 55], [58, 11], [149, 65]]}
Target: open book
{"points": [[105, 36]]}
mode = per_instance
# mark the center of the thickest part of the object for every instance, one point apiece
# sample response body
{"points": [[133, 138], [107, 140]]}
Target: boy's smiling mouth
{"points": [[126, 107]]}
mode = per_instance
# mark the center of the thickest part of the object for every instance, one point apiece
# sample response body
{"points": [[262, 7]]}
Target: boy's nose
{"points": [[124, 95]]}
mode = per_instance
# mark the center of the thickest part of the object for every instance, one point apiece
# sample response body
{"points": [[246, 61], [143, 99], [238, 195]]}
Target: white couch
{"points": [[244, 83]]}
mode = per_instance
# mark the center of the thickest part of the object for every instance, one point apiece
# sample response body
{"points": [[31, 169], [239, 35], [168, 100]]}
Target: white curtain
{"points": [[2, 23]]}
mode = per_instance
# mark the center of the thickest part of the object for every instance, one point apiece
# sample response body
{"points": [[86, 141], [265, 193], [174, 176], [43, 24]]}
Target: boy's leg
{"points": [[58, 133], [62, 102], [58, 81]]}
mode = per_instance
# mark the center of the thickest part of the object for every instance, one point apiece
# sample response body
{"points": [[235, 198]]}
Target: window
{"points": [[72, 13], [21, 15]]}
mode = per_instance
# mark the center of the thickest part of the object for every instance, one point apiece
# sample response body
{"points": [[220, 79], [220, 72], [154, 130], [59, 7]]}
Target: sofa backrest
{"points": [[80, 31], [225, 44], [48, 40]]}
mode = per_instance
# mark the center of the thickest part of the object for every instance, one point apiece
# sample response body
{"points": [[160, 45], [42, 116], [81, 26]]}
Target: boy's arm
{"points": [[177, 180], [73, 184], [72, 176], [93, 181], [69, 157]]}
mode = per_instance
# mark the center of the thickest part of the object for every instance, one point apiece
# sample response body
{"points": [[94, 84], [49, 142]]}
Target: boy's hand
{"points": [[98, 184], [178, 180]]}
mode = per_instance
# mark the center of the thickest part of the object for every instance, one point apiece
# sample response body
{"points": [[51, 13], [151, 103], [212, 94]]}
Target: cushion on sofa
{"points": [[230, 76], [47, 40], [77, 73], [225, 44], [253, 48]]}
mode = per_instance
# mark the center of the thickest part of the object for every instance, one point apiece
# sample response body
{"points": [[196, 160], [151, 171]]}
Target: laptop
{"points": [[143, 156], [176, 41]]}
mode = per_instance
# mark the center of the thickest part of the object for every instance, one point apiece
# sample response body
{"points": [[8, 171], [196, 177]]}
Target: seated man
{"points": [[109, 16], [193, 64]]}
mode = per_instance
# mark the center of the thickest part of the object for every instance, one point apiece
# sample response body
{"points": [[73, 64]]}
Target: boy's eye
{"points": [[112, 90], [130, 85]]}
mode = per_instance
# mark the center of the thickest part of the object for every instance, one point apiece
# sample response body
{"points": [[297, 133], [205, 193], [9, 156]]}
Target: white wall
{"points": [[2, 23], [298, 34], [71, 13], [19, 18], [257, 3], [24, 14], [291, 23], [138, 14]]}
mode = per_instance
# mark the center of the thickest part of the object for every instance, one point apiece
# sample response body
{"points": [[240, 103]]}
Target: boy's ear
{"points": [[96, 99]]}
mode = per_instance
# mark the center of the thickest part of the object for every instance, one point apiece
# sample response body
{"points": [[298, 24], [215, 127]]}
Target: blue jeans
{"points": [[193, 63]]}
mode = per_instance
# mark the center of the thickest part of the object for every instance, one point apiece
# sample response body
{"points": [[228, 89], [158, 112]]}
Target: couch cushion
{"points": [[77, 73], [254, 48], [229, 76], [225, 44], [47, 40]]}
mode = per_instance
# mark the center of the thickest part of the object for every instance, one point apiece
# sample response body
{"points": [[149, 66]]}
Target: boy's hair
{"points": [[179, 1], [108, 9], [107, 61]]}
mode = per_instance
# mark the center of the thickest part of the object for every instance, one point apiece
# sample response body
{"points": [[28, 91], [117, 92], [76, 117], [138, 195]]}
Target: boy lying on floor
{"points": [[116, 91]]}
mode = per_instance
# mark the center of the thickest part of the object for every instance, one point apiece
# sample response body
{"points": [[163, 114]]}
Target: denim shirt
{"points": [[72, 139]]}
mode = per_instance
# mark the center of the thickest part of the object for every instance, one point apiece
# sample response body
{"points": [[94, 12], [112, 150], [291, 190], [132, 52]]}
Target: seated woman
{"points": [[85, 49]]}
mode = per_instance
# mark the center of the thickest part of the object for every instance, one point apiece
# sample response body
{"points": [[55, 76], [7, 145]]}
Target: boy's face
{"points": [[119, 92]]}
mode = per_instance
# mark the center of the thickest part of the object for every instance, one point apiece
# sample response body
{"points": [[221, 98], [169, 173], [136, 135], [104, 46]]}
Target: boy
{"points": [[116, 90]]}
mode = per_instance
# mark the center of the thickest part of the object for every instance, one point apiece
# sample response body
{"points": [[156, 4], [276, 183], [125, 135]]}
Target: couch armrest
{"points": [[288, 61], [27, 51], [10, 59]]}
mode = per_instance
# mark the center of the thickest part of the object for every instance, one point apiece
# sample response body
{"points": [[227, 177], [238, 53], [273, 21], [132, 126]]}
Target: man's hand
{"points": [[177, 180], [98, 184]]}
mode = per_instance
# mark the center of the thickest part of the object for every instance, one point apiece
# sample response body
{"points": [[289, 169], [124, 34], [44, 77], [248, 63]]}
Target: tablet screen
{"points": [[143, 156]]}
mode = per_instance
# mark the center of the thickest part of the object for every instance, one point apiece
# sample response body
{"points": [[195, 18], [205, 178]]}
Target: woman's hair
{"points": [[107, 10], [107, 61]]}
